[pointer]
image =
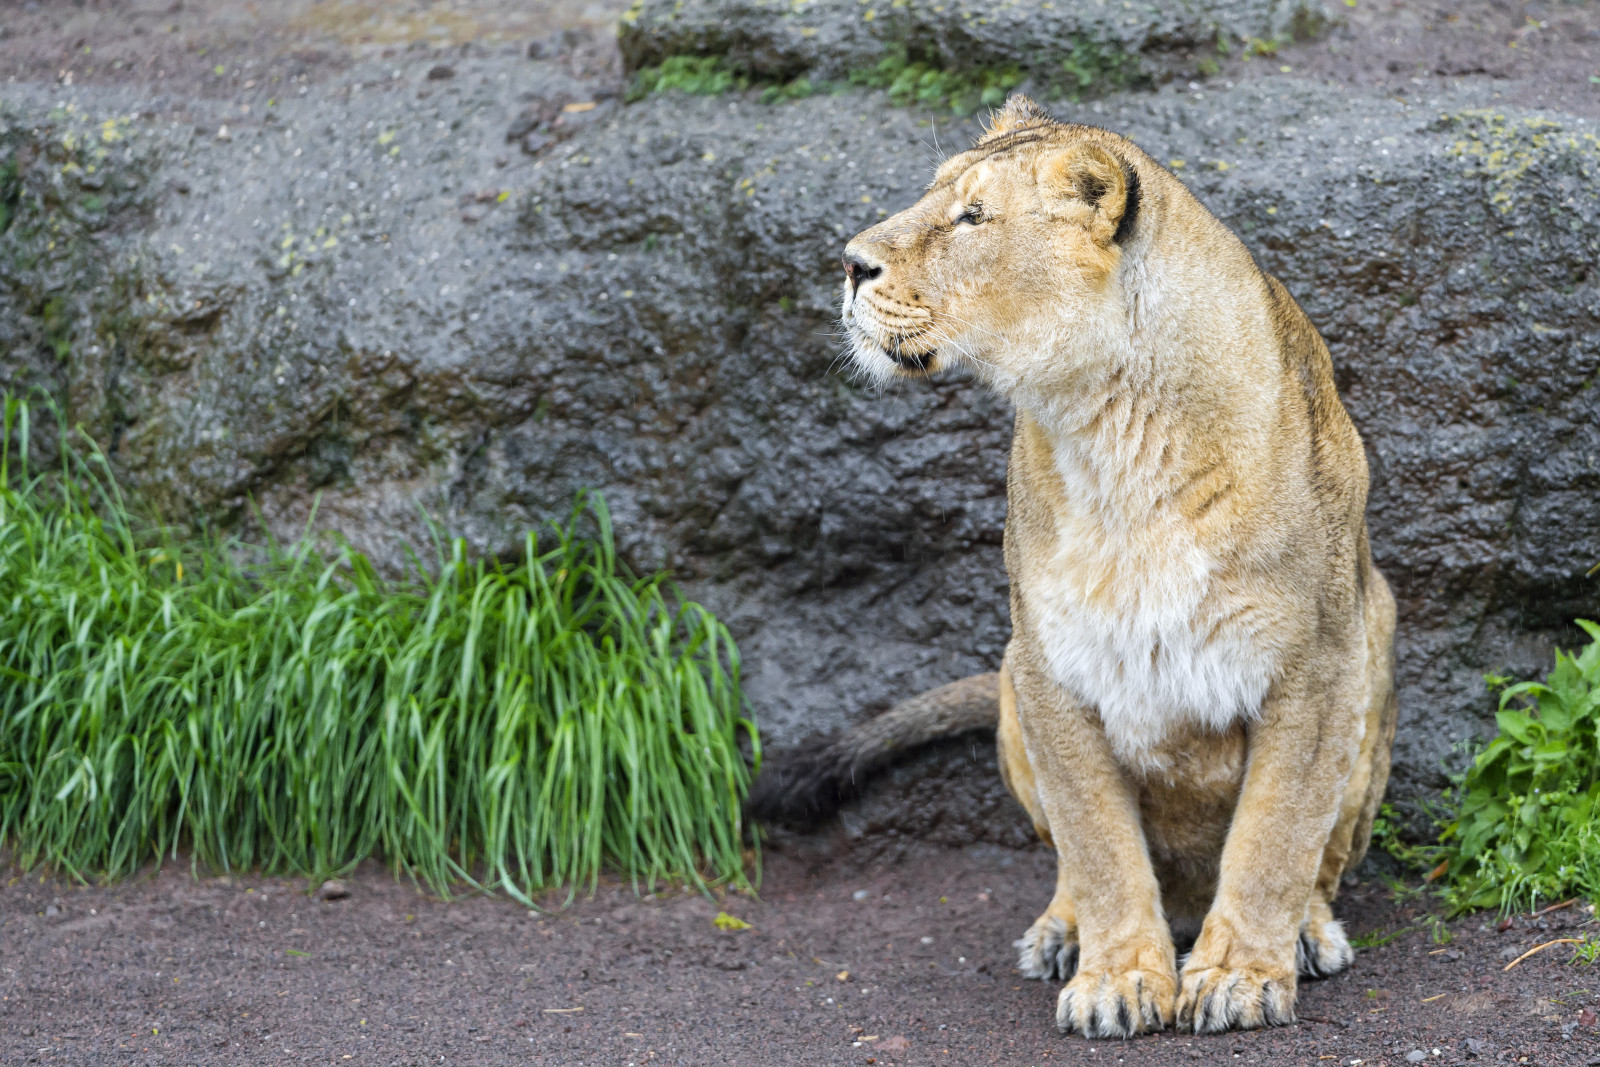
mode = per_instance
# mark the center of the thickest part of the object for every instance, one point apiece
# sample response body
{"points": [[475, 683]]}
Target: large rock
{"points": [[357, 303], [1067, 46]]}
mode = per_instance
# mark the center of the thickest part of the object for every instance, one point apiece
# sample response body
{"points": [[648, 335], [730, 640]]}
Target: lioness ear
{"points": [[1018, 113], [1093, 185]]}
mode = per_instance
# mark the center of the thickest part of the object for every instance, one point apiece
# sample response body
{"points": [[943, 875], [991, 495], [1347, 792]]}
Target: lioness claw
{"points": [[1049, 950], [1105, 1004], [1322, 949], [1215, 999]]}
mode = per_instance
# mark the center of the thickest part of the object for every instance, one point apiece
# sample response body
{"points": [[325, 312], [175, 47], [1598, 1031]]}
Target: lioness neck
{"points": [[1172, 387]]}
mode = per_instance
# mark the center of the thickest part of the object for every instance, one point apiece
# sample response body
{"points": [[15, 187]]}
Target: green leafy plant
{"points": [[509, 727], [798, 89], [695, 75], [1263, 46], [1094, 65], [908, 82], [925, 81], [10, 192], [1525, 828], [911, 81], [1386, 833], [710, 76]]}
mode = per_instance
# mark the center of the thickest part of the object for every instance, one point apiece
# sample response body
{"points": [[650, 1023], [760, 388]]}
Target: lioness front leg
{"points": [[1242, 971], [1126, 981], [1050, 947]]}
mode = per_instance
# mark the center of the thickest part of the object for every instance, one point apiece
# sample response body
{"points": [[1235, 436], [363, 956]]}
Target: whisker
{"points": [[972, 325], [964, 348]]}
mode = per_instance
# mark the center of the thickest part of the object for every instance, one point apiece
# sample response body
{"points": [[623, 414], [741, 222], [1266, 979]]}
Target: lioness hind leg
{"points": [[1323, 949], [1049, 949]]}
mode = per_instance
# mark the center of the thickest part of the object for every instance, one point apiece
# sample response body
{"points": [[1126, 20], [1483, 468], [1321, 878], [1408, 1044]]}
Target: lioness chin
{"points": [[1197, 705]]}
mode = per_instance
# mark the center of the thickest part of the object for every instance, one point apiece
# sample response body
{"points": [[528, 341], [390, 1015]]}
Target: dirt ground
{"points": [[848, 960], [851, 958], [1531, 53]]}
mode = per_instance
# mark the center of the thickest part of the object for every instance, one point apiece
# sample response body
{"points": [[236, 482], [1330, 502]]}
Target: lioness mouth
{"points": [[912, 360]]}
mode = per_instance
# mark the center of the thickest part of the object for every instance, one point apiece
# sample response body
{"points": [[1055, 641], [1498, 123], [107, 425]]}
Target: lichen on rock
{"points": [[1504, 148]]}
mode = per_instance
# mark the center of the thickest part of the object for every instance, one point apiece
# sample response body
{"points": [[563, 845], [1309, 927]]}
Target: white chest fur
{"points": [[1134, 619]]}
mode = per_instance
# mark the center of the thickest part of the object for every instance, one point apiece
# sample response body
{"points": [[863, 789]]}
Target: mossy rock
{"points": [[966, 48]]}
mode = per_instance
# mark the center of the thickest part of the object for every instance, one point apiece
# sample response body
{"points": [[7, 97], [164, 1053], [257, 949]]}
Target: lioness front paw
{"points": [[1322, 949], [1049, 949], [1215, 999], [1116, 1004]]}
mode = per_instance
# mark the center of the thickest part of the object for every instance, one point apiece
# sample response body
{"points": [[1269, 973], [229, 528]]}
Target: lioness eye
{"points": [[972, 216]]}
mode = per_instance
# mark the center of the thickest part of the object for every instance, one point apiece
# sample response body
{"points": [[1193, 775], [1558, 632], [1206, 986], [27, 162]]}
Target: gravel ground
{"points": [[849, 959]]}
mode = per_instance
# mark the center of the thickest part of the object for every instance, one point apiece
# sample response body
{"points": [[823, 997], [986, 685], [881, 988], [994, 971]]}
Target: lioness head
{"points": [[1016, 241]]}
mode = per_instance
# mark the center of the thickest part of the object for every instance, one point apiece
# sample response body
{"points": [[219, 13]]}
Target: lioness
{"points": [[1197, 703]]}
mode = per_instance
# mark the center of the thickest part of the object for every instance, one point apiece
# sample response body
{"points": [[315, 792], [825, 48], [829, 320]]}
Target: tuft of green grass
{"points": [[1376, 938], [1525, 829], [1438, 933], [285, 709]]}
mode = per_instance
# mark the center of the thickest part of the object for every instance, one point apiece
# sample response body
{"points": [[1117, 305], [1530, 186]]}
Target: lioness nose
{"points": [[859, 270]]}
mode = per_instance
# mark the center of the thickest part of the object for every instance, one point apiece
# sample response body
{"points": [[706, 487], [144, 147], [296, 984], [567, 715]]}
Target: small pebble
{"points": [[859, 894], [332, 889], [1416, 1055]]}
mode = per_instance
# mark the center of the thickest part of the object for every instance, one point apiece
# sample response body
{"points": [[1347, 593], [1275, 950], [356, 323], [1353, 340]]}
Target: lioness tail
{"points": [[807, 783]]}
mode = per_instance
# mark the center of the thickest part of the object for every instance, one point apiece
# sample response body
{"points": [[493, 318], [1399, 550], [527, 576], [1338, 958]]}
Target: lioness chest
{"points": [[1138, 619]]}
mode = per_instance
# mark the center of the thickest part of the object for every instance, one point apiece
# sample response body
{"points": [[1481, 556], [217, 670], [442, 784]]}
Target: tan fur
{"points": [[1197, 703]]}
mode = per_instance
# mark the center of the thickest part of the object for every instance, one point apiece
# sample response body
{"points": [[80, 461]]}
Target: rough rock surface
{"points": [[346, 294], [1068, 44]]}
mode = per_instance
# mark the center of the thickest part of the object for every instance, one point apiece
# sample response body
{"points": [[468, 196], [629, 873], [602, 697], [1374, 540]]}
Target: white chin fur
{"points": [[868, 359]]}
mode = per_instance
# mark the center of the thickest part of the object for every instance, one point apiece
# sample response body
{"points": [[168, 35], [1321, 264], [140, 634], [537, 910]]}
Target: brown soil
{"points": [[170, 969]]}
